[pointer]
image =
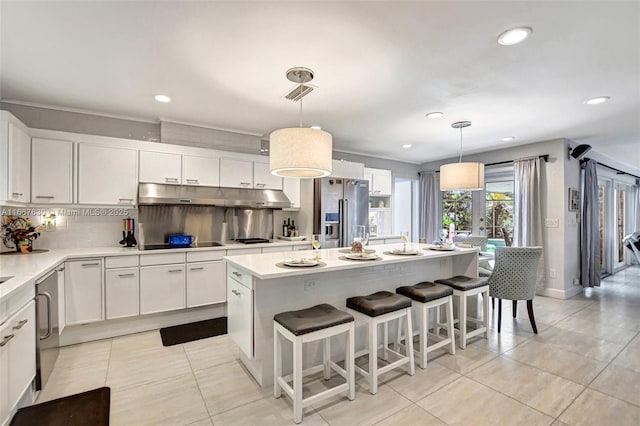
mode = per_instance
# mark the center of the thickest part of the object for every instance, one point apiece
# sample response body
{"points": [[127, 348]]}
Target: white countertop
{"points": [[263, 266], [26, 268]]}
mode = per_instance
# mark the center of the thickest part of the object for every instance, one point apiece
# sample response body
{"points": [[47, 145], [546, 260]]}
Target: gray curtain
{"points": [[430, 212], [590, 227], [527, 209]]}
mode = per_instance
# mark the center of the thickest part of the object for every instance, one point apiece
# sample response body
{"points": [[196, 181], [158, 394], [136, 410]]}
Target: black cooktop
{"points": [[252, 240], [167, 246]]}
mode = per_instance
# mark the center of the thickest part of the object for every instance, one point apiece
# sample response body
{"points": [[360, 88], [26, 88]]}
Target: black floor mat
{"points": [[87, 408], [193, 331]]}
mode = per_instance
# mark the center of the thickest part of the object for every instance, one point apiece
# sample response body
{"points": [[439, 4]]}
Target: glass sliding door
{"points": [[620, 207], [499, 211], [602, 213]]}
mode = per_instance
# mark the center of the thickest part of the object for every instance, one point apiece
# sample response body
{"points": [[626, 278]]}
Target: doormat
{"points": [[87, 408], [193, 331]]}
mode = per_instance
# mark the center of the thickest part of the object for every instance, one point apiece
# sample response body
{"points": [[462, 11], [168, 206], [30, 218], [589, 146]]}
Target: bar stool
{"points": [[380, 308], [319, 322], [427, 295], [464, 287]]}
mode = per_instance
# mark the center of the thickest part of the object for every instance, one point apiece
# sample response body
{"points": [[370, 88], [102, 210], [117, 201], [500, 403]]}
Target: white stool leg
{"points": [[373, 357], [385, 341], [326, 343], [297, 381], [350, 362], [438, 320], [424, 332], [485, 313], [409, 342], [396, 346], [463, 320], [277, 362], [450, 333]]}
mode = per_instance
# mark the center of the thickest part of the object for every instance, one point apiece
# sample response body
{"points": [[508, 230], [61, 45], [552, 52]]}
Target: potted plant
{"points": [[19, 232]]}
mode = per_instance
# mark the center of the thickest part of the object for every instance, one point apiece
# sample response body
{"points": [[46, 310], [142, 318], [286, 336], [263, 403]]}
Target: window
{"points": [[499, 210], [457, 209]]}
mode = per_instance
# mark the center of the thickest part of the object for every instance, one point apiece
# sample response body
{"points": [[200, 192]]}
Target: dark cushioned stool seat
{"points": [[379, 303], [312, 319], [425, 292], [463, 283]]}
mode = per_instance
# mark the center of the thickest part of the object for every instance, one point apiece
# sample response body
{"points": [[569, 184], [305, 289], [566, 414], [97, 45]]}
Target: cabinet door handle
{"points": [[175, 270], [185, 200], [7, 338], [20, 324], [241, 183], [192, 181], [126, 275], [17, 194], [261, 185], [171, 180], [125, 200], [236, 292], [45, 196], [237, 274], [49, 320], [377, 191], [91, 264], [61, 269], [200, 268]]}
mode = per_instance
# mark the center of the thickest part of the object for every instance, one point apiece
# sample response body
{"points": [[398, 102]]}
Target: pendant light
{"points": [[461, 176], [299, 151]]}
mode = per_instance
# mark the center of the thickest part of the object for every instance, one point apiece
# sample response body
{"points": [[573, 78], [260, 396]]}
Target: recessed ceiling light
{"points": [[162, 98], [406, 146], [435, 115], [514, 36], [508, 138], [598, 100], [316, 127]]}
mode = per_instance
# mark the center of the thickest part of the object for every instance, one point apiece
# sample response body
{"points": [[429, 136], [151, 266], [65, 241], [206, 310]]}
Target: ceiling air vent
{"points": [[298, 92]]}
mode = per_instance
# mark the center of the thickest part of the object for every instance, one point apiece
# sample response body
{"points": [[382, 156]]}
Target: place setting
{"points": [[404, 251], [358, 251], [305, 262], [443, 244]]}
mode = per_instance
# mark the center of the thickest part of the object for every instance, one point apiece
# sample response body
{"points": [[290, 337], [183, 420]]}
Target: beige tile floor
{"points": [[583, 368]]}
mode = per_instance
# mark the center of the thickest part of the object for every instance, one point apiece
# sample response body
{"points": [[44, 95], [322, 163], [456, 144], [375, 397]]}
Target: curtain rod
{"points": [[620, 172], [544, 157]]}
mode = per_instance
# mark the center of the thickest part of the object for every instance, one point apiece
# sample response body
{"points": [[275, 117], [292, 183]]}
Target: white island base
{"points": [[257, 289]]}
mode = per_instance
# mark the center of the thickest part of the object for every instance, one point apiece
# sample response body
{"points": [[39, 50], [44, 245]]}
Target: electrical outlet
{"points": [[309, 285], [553, 273], [552, 222]]}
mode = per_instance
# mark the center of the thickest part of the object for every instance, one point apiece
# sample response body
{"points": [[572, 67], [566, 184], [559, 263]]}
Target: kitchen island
{"points": [[259, 286]]}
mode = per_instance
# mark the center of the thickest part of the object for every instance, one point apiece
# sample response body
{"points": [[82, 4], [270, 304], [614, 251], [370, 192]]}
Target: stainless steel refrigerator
{"points": [[339, 205]]}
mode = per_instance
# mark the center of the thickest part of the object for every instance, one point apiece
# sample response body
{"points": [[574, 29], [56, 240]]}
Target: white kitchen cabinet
{"points": [[262, 177], [51, 171], [160, 167], [121, 293], [107, 175], [277, 249], [236, 173], [15, 160], [206, 283], [240, 315], [291, 188], [380, 181], [83, 291], [17, 357], [162, 288], [198, 170]]}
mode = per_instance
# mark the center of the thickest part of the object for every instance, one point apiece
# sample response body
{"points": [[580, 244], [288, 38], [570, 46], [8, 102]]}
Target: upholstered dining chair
{"points": [[514, 278]]}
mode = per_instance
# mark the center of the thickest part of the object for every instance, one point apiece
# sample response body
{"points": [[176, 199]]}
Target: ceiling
{"points": [[379, 67]]}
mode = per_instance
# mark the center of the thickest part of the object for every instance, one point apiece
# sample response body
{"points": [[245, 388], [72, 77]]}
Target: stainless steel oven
{"points": [[47, 326]]}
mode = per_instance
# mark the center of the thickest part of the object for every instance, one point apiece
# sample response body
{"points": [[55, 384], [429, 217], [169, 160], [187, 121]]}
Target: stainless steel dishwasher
{"points": [[48, 334]]}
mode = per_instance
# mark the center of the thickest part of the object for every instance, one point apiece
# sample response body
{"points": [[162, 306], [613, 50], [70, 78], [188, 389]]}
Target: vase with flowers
{"points": [[19, 232]]}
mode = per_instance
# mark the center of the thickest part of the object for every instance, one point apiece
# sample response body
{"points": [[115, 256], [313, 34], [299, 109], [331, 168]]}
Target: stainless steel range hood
{"points": [[156, 194]]}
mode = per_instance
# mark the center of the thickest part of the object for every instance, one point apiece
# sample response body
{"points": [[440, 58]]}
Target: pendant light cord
{"points": [[300, 105], [460, 159]]}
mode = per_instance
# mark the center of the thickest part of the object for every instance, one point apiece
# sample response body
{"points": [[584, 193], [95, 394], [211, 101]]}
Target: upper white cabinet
{"points": [[380, 182], [160, 167], [291, 188], [107, 175], [199, 170], [15, 160], [262, 177], [51, 171], [236, 173]]}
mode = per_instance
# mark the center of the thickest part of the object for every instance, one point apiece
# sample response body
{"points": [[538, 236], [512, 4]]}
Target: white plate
{"points": [[404, 253], [301, 263], [360, 257], [442, 248]]}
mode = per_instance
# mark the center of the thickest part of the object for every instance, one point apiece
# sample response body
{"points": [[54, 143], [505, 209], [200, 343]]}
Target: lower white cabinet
{"points": [[240, 315], [206, 283], [162, 288], [83, 291], [17, 357], [121, 293]]}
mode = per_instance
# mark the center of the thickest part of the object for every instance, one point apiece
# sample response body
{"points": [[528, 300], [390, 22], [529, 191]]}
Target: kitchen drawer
{"points": [[238, 252], [161, 259], [120, 262], [277, 249], [239, 275], [205, 256], [302, 247]]}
